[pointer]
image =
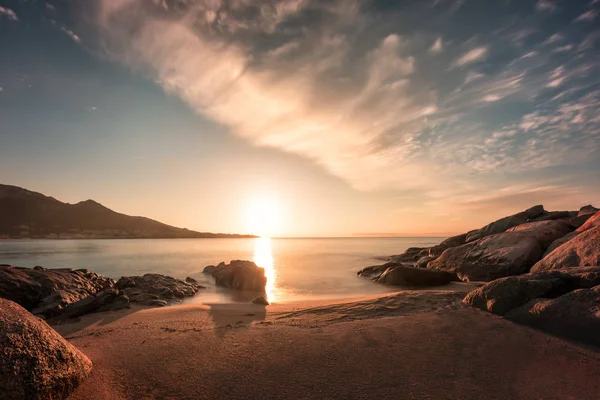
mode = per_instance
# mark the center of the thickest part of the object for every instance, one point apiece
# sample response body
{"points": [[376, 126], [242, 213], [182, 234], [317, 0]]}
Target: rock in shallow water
{"points": [[35, 361], [239, 275], [261, 300], [404, 275]]}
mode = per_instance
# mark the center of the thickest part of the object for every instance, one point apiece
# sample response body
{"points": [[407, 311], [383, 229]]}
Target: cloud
{"points": [[587, 16], [554, 38], [70, 34], [546, 5], [10, 14], [472, 56], [491, 98], [437, 46]]}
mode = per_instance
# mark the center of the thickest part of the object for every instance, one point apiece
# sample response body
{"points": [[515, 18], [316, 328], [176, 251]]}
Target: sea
{"points": [[297, 269]]}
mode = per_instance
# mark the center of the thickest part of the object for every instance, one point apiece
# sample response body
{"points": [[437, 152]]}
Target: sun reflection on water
{"points": [[263, 257]]}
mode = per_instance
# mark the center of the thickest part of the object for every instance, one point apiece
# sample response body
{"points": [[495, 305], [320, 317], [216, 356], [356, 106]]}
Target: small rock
{"points": [[261, 300], [191, 280]]}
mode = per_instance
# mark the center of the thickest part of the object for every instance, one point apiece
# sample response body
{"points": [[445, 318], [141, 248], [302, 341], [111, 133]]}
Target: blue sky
{"points": [[412, 117]]}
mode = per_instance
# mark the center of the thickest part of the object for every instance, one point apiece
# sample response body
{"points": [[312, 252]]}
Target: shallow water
{"points": [[297, 269]]}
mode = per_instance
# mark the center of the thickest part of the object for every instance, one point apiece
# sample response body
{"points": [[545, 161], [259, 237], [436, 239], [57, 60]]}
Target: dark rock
{"points": [[147, 288], [410, 276], [39, 268], [411, 254], [575, 315], [375, 271], [28, 287], [551, 215], [240, 275], [55, 304], [422, 263], [589, 209], [261, 300], [578, 221], [102, 301], [155, 303], [582, 249], [191, 280], [505, 223], [209, 269], [36, 362], [503, 254], [505, 294]]}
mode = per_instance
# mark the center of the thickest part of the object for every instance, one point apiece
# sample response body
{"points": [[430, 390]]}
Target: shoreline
{"points": [[442, 349]]}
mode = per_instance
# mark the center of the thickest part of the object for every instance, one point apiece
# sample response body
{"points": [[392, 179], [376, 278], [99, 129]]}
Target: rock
{"points": [[107, 300], [575, 315], [503, 254], [36, 362], [589, 209], [375, 271], [552, 215], [559, 242], [505, 294], [422, 263], [410, 276], [150, 287], [54, 304], [505, 223], [240, 275], [191, 280], [155, 303], [578, 221], [261, 300], [28, 287], [580, 249], [411, 254], [209, 269]]}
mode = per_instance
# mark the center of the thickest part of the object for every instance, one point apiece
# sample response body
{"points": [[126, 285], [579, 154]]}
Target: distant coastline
{"points": [[31, 215]]}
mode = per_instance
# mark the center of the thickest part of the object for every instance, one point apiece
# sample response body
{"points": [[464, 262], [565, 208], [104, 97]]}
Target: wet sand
{"points": [[411, 345]]}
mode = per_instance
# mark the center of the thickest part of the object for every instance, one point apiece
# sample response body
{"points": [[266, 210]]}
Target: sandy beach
{"points": [[409, 345]]}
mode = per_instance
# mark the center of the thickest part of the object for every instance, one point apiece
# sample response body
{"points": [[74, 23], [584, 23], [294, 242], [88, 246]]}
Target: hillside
{"points": [[27, 214]]}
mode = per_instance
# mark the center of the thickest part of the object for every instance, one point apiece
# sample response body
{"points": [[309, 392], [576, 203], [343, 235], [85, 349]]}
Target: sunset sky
{"points": [[343, 117]]}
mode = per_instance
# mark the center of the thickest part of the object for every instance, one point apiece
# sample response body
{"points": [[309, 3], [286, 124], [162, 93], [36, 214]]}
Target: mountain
{"points": [[27, 214]]}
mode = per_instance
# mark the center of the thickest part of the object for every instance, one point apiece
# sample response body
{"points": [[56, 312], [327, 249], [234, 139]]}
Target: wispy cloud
{"points": [[546, 5], [437, 46], [587, 16], [70, 34], [10, 14], [472, 56]]}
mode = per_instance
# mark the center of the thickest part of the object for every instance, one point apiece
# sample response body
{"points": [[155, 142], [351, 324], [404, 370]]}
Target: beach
{"points": [[408, 345]]}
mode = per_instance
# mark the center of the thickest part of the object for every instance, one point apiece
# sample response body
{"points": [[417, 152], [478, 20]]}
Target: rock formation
{"points": [[402, 275], [238, 275], [36, 362]]}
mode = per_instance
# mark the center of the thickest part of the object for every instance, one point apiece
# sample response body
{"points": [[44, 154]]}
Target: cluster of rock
{"points": [[543, 269], [70, 293]]}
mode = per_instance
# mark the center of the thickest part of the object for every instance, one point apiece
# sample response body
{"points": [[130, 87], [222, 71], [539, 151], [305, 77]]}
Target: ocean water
{"points": [[297, 269]]}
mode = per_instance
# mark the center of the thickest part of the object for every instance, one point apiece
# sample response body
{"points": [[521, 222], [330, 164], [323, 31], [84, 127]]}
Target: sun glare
{"points": [[263, 257], [263, 217]]}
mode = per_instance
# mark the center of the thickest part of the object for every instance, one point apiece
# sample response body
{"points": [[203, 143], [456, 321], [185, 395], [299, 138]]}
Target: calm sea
{"points": [[297, 269]]}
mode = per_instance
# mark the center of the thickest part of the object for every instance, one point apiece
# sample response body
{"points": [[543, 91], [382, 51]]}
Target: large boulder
{"points": [[505, 294], [35, 361], [410, 276], [375, 271], [575, 315], [505, 223], [577, 250], [503, 254], [28, 287], [239, 275]]}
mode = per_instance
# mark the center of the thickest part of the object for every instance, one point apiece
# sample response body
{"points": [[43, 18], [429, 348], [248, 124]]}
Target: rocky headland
{"points": [[540, 268]]}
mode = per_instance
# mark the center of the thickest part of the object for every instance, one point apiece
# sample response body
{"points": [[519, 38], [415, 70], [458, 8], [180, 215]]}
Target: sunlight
{"points": [[263, 257], [263, 217]]}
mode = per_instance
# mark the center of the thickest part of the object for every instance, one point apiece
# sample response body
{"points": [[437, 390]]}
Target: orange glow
{"points": [[263, 217], [263, 257]]}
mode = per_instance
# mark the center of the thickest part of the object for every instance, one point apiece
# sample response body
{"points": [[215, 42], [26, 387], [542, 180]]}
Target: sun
{"points": [[263, 217]]}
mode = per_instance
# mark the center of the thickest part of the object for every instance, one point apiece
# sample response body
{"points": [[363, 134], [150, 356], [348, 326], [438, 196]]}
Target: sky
{"points": [[337, 117]]}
